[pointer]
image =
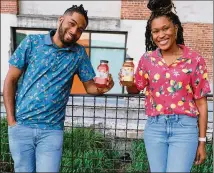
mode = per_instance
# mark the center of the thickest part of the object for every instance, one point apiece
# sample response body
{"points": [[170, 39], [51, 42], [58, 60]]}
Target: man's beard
{"points": [[61, 37]]}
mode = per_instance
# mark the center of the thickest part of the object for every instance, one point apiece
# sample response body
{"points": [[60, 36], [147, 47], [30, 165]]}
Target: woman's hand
{"points": [[201, 153], [120, 77]]}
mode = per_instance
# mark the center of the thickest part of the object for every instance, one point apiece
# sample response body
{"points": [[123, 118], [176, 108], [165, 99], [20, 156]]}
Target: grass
{"points": [[6, 164], [88, 151], [207, 166], [139, 158]]}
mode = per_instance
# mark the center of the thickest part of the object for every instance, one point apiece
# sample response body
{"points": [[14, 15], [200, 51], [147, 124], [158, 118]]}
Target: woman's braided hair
{"points": [[162, 8]]}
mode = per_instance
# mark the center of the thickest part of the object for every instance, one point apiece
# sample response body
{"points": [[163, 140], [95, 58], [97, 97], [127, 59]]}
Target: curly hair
{"points": [[162, 8], [79, 9]]}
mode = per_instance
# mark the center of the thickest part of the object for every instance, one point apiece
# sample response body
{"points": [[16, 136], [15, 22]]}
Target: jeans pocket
{"points": [[149, 122], [12, 131], [189, 124], [14, 125]]}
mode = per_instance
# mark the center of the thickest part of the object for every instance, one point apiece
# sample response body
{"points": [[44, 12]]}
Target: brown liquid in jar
{"points": [[127, 73]]}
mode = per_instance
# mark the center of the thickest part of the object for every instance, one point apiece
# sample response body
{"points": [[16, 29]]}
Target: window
{"points": [[105, 45]]}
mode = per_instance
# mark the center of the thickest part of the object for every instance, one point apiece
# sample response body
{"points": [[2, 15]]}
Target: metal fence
{"points": [[104, 134]]}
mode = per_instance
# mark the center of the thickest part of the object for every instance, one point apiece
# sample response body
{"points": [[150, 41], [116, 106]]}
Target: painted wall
{"points": [[195, 11], [95, 8], [136, 37], [7, 20]]}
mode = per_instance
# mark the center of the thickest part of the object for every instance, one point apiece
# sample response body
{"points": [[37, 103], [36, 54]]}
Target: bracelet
{"points": [[202, 139]]}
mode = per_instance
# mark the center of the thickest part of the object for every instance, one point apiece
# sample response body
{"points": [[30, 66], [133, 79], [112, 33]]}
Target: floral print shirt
{"points": [[44, 88], [172, 89]]}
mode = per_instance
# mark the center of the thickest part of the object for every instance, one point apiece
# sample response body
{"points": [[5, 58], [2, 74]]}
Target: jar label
{"points": [[127, 73], [102, 74]]}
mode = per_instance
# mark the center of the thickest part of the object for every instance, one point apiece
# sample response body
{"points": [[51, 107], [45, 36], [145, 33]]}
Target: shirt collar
{"points": [[48, 41], [186, 52]]}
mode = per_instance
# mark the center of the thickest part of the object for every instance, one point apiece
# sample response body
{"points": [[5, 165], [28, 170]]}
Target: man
{"points": [[36, 104]]}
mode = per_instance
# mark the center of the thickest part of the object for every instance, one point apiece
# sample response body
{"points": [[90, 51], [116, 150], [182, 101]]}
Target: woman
{"points": [[175, 79]]}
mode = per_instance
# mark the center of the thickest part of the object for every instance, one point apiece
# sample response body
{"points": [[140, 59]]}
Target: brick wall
{"points": [[9, 6], [200, 37], [134, 10]]}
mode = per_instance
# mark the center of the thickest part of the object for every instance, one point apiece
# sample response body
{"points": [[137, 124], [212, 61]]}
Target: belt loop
{"points": [[156, 118], [166, 117], [176, 117]]}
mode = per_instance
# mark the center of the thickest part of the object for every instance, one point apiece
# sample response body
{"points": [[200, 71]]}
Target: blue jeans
{"points": [[171, 142], [35, 150]]}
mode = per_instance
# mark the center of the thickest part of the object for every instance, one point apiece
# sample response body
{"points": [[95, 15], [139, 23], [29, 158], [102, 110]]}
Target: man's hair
{"points": [[162, 8], [78, 9]]}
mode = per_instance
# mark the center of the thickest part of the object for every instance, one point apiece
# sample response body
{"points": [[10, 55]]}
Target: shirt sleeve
{"points": [[199, 79], [85, 70], [141, 75], [20, 57]]}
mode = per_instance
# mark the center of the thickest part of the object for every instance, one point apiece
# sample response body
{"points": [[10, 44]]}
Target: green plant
{"points": [[6, 163], [139, 158], [87, 151]]}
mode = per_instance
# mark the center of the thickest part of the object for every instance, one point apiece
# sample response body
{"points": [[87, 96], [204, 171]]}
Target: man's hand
{"points": [[11, 123], [110, 85], [201, 153], [91, 87]]}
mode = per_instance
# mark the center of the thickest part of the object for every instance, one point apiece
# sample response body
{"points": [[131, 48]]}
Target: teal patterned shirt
{"points": [[44, 88]]}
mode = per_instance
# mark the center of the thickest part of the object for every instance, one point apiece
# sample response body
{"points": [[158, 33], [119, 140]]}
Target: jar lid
{"points": [[129, 59], [103, 61]]}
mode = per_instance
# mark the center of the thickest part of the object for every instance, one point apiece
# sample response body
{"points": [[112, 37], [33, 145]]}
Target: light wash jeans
{"points": [[35, 150], [171, 142]]}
